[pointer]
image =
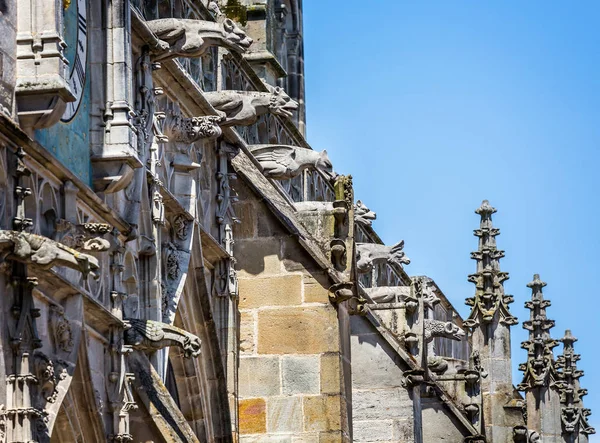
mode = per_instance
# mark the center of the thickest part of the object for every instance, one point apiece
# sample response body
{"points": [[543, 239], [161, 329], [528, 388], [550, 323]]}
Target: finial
{"points": [[489, 296], [485, 210], [568, 339]]}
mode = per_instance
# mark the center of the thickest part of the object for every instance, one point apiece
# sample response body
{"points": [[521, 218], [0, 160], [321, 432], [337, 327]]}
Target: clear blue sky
{"points": [[434, 106]]}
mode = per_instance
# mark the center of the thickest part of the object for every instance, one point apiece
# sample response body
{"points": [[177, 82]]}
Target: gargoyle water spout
{"points": [[281, 162], [192, 38], [242, 108]]}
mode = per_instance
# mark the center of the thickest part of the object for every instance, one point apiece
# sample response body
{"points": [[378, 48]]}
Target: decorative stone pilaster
{"points": [[574, 415], [42, 90], [489, 322], [541, 396]]}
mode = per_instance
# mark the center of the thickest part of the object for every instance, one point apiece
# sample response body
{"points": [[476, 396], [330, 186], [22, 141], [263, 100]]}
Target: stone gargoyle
{"points": [[44, 252], [181, 37], [369, 254], [363, 216], [445, 329], [188, 130], [242, 108], [150, 335], [281, 162]]}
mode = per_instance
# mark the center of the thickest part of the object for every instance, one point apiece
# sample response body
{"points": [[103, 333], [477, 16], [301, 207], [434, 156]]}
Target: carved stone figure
{"points": [[282, 162], [61, 330], [192, 38], [191, 129], [242, 108], [363, 215], [85, 237], [390, 294], [42, 251], [370, 254], [446, 329], [149, 335]]}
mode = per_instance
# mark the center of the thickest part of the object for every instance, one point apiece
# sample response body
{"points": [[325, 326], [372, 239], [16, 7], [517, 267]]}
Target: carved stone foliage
{"points": [[489, 299], [181, 227], [41, 251], [445, 329], [192, 38], [523, 435], [363, 215], [369, 254], [281, 162], [539, 369], [84, 237], [242, 108], [148, 335], [188, 130]]}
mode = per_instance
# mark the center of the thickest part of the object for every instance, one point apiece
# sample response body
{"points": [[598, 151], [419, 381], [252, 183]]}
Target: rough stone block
{"points": [[306, 438], [381, 404], [330, 373], [374, 364], [284, 414], [380, 430], [259, 377], [266, 439], [270, 291], [331, 437], [316, 288], [322, 413], [253, 416], [403, 430], [247, 336], [300, 375], [309, 330], [256, 257], [247, 214]]}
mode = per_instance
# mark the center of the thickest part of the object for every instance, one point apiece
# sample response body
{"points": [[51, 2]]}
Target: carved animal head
{"points": [[280, 103], [363, 215], [235, 37], [445, 329], [323, 163], [397, 255]]}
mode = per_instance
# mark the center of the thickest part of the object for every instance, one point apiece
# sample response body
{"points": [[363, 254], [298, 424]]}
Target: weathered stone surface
{"points": [[373, 430], [284, 414], [247, 335], [259, 257], [259, 376], [270, 291], [381, 404], [374, 364], [300, 375], [253, 416], [316, 288], [330, 373], [308, 330], [322, 413]]}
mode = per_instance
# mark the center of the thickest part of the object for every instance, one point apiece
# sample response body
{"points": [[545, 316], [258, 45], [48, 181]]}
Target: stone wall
{"points": [[382, 407], [290, 377]]}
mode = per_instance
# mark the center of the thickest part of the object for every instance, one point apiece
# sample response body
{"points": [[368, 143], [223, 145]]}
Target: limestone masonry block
{"points": [[381, 404], [270, 291], [309, 330], [253, 416], [300, 375], [247, 336], [259, 377], [322, 413], [284, 414], [330, 373], [366, 431], [259, 257]]}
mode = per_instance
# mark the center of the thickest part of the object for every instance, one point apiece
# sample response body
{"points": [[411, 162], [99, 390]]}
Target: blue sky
{"points": [[434, 106]]}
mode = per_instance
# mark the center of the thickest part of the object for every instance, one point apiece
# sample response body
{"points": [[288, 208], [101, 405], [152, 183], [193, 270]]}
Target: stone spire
{"points": [[489, 323], [541, 396], [573, 414], [489, 301], [539, 369]]}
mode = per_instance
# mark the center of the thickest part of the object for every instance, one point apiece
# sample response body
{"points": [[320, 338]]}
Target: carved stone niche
{"points": [[42, 90]]}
